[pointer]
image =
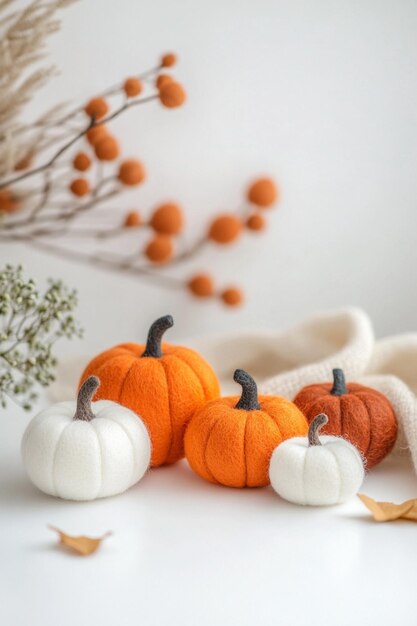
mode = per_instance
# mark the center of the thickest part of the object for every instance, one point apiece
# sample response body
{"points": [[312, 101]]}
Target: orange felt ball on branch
{"points": [[163, 383], [131, 172], [81, 162], [256, 222], [263, 192], [97, 108], [230, 440], [225, 228], [96, 133], [9, 203], [172, 95], [232, 296], [201, 285], [80, 187], [107, 149], [160, 249], [163, 79], [167, 219], [169, 59], [132, 87], [132, 219]]}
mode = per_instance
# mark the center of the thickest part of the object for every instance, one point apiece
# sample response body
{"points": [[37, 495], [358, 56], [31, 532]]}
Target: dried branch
{"points": [[65, 211], [63, 149]]}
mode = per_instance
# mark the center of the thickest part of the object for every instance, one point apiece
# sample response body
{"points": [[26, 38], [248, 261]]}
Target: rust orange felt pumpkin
{"points": [[164, 384], [230, 441], [360, 414]]}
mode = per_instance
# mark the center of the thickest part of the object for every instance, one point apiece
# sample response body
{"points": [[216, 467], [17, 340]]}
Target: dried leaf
{"points": [[388, 511], [81, 545]]}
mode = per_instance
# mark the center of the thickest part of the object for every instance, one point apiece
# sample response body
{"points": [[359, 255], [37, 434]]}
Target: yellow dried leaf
{"points": [[81, 545], [388, 511]]}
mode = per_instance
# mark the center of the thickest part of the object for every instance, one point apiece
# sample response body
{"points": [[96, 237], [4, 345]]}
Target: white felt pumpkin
{"points": [[84, 450], [309, 470]]}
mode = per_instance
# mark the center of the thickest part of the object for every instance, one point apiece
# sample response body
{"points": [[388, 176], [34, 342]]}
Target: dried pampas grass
{"points": [[23, 36]]}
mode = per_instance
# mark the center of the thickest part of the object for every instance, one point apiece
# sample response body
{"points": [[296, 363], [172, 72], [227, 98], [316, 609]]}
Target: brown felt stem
{"points": [[339, 384], [156, 332], [313, 432], [85, 396], [249, 398]]}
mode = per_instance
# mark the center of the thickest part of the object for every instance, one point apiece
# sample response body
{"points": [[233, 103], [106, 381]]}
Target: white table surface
{"points": [[185, 552]]}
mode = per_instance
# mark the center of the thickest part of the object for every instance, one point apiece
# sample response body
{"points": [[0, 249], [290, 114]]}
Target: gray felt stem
{"points": [[339, 384], [313, 432], [156, 332], [249, 398], [85, 396]]}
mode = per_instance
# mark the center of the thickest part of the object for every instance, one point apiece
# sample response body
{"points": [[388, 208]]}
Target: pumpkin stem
{"points": [[85, 395], [339, 384], [249, 398], [156, 331], [313, 432]]}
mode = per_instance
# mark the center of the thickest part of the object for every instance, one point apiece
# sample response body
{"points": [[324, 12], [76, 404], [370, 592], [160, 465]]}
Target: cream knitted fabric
{"points": [[284, 362]]}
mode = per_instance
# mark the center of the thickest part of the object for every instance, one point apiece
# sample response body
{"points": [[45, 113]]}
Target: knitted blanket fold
{"points": [[284, 362]]}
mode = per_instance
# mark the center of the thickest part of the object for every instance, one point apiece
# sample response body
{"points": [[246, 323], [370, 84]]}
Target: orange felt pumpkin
{"points": [[164, 384], [230, 441], [360, 414]]}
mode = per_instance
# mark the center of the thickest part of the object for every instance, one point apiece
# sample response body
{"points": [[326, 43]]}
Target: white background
{"points": [[321, 95]]}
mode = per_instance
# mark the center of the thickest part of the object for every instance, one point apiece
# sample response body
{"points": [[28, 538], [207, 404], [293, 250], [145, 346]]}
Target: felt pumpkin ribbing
{"points": [[82, 450], [360, 414], [230, 440], [316, 471], [164, 384]]}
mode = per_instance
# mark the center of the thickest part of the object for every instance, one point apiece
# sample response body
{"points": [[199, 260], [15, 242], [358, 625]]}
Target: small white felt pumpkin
{"points": [[84, 450], [309, 470]]}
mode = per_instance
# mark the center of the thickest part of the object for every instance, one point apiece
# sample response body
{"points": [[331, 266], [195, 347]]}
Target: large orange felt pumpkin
{"points": [[230, 441], [164, 384], [360, 414]]}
